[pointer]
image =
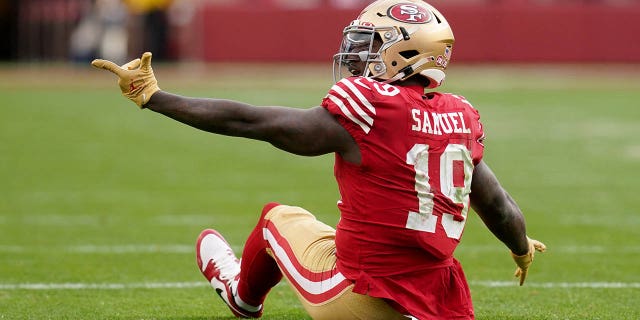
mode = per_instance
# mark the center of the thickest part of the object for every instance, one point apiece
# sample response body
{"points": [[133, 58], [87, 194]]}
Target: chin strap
{"points": [[407, 71], [435, 76]]}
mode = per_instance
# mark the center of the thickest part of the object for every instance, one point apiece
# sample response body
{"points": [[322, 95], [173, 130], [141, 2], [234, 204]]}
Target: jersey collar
{"points": [[417, 88]]}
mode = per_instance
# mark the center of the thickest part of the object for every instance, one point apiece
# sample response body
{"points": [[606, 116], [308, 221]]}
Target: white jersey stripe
{"points": [[463, 100], [359, 95], [348, 113], [312, 287], [354, 105]]}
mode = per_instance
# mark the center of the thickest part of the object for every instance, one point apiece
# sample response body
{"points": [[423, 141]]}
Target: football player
{"points": [[408, 165]]}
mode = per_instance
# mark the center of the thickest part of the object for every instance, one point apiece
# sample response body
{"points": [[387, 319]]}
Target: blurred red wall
{"points": [[502, 32]]}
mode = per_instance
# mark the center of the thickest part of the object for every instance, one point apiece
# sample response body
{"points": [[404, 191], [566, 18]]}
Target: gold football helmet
{"points": [[392, 40]]}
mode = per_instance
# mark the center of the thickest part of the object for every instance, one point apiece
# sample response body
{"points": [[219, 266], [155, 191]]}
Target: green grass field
{"points": [[100, 203]]}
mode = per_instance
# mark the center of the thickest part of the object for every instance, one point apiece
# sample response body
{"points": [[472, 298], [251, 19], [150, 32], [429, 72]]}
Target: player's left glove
{"points": [[136, 79], [525, 260]]}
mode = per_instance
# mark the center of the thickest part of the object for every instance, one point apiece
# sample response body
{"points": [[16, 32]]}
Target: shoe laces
{"points": [[228, 265]]}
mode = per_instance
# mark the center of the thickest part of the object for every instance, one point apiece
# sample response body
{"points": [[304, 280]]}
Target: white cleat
{"points": [[221, 268]]}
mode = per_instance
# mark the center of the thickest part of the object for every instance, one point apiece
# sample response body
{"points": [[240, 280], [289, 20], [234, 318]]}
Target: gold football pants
{"points": [[304, 249]]}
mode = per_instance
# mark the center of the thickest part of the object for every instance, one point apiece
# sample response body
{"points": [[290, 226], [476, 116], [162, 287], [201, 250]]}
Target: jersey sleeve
{"points": [[477, 130], [477, 150], [351, 101]]}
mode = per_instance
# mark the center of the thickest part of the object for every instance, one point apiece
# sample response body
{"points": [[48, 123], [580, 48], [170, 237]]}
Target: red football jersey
{"points": [[404, 208]]}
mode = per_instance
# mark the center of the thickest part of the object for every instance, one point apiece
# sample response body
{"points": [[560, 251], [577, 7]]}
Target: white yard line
{"points": [[591, 285], [564, 249], [106, 249], [102, 286], [201, 284], [188, 248]]}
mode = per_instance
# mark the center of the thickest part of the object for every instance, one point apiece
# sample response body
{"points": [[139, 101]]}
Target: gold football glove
{"points": [[524, 261], [136, 79]]}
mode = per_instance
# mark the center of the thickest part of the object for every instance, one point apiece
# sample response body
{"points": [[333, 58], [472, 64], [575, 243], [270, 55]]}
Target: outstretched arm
{"points": [[305, 132], [503, 217]]}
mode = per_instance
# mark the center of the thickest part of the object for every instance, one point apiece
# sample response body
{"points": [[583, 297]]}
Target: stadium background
{"points": [[593, 31], [100, 202]]}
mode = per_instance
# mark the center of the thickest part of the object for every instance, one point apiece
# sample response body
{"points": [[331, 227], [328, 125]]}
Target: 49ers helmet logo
{"points": [[409, 13]]}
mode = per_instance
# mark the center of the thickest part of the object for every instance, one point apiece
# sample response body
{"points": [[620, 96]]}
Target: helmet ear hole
{"points": [[408, 54]]}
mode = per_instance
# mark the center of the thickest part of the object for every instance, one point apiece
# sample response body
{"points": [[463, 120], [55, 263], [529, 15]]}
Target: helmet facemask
{"points": [[360, 51]]}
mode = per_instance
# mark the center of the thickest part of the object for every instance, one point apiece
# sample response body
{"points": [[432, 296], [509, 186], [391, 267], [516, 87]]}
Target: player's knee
{"points": [[276, 211], [268, 207]]}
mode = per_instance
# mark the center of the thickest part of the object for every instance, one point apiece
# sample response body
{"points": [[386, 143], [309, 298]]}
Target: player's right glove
{"points": [[525, 260], [136, 79]]}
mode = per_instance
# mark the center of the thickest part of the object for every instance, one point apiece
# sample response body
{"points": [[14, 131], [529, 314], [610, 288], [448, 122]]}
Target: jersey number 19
{"points": [[455, 157]]}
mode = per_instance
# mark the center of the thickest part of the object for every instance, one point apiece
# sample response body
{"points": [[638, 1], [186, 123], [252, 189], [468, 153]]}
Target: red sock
{"points": [[258, 271]]}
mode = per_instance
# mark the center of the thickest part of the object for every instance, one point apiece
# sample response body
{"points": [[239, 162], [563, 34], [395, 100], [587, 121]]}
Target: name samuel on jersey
{"points": [[438, 123]]}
